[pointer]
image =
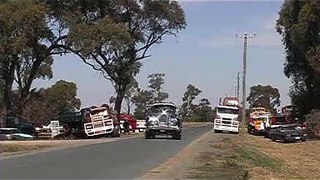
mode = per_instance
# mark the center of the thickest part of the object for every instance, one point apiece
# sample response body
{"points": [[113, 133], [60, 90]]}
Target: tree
{"points": [[63, 96], [265, 96], [28, 39], [203, 112], [131, 92], [114, 36], [156, 81], [298, 24], [141, 100], [48, 103], [191, 93]]}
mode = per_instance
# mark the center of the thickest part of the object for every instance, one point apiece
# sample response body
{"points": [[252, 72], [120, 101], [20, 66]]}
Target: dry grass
{"points": [[301, 160], [10, 148]]}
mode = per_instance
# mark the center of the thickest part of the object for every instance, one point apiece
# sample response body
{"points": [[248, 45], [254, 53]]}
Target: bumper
{"points": [[163, 130], [296, 138], [229, 128]]}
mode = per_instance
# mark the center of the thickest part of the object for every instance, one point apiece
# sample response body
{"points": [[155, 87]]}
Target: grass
{"points": [[258, 158]]}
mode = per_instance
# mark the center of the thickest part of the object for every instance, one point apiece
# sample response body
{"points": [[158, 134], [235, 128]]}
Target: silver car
{"points": [[163, 119]]}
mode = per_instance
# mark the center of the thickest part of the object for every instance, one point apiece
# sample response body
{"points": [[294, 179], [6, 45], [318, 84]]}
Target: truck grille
{"points": [[163, 119]]}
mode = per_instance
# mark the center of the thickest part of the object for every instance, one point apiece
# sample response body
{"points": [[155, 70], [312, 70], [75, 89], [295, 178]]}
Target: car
{"points": [[163, 119], [287, 133], [13, 134]]}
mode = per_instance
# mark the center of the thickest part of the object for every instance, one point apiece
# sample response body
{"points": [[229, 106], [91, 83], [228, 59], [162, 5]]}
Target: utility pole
{"points": [[238, 87], [245, 44]]}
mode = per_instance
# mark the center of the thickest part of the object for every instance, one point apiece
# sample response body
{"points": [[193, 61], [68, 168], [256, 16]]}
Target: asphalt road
{"points": [[124, 159]]}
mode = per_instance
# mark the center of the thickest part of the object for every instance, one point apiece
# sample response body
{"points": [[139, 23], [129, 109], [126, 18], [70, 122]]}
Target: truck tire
{"points": [[116, 131]]}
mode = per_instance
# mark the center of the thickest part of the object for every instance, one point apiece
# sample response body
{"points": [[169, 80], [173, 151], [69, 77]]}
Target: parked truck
{"points": [[89, 122], [227, 116]]}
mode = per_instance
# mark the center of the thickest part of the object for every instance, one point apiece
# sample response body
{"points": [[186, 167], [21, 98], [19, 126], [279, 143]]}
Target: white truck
{"points": [[101, 123], [227, 119]]}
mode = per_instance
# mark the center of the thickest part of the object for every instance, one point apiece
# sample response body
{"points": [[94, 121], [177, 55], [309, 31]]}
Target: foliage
{"points": [[141, 100], [156, 81], [114, 36], [187, 108], [48, 103], [203, 111], [265, 96], [131, 91], [27, 41], [298, 24], [313, 123]]}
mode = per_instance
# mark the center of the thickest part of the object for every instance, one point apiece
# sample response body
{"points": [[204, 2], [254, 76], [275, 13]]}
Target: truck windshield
{"points": [[228, 110]]}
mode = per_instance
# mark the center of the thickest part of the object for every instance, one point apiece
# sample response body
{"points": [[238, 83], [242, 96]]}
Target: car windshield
{"points": [[228, 110], [155, 110]]}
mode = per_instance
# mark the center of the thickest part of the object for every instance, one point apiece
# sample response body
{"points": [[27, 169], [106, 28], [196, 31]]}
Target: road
{"points": [[123, 159]]}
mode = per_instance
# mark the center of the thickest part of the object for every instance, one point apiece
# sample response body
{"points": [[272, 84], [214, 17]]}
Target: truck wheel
{"points": [[116, 131]]}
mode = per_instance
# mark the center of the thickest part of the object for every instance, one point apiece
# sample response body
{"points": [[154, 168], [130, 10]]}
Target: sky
{"points": [[207, 54]]}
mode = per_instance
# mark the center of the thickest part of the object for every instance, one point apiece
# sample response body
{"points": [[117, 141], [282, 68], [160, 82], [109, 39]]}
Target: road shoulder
{"points": [[193, 160]]}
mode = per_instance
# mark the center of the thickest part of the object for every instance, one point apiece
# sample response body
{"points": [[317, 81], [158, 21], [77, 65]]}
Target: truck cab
{"points": [[227, 119]]}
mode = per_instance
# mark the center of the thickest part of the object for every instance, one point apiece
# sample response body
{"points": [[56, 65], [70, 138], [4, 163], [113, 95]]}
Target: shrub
{"points": [[313, 123]]}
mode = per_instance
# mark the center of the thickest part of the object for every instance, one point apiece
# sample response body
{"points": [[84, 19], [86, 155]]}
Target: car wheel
{"points": [[273, 138], [217, 131], [303, 140]]}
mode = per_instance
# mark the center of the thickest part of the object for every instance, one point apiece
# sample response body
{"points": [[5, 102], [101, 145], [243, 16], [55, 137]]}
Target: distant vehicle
{"points": [[163, 119], [259, 120], [287, 133], [13, 134], [141, 125], [227, 119], [47, 128], [230, 101], [132, 121]]}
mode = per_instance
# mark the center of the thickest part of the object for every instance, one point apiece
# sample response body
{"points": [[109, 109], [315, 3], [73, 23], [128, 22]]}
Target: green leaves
{"points": [[265, 96], [298, 24]]}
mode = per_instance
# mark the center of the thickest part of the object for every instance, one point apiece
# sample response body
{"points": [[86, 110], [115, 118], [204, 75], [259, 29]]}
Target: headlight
{"points": [[288, 135], [218, 117]]}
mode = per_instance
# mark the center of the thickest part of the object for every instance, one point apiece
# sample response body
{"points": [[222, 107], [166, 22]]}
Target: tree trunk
{"points": [[128, 106], [120, 95], [7, 94]]}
